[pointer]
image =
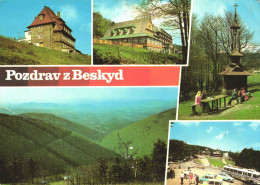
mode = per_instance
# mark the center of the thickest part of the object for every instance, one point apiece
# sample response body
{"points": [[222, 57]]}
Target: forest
{"points": [[210, 46], [121, 170], [247, 158]]}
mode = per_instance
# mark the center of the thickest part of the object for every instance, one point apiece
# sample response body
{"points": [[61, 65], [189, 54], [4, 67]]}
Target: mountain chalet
{"points": [[140, 31], [50, 31]]}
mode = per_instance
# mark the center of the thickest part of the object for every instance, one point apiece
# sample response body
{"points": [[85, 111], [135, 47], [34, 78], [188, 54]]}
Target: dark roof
{"points": [[138, 26], [49, 17], [234, 69], [128, 36]]}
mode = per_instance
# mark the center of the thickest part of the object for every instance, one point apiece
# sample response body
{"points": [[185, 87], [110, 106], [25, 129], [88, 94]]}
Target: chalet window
{"points": [[132, 30], [112, 33], [118, 31], [124, 31], [143, 40], [41, 17], [40, 36]]}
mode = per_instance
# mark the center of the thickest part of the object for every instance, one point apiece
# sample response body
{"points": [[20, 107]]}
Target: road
{"points": [[199, 171]]}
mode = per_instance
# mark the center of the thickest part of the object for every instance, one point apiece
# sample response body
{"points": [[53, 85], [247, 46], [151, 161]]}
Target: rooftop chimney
{"points": [[58, 14]]}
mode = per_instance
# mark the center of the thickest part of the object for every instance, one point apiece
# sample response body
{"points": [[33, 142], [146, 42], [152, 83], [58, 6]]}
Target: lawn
{"points": [[14, 53], [66, 183], [112, 54], [216, 162], [249, 110]]}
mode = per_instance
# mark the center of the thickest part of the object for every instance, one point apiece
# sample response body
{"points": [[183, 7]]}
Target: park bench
{"points": [[238, 99], [205, 107], [193, 107]]}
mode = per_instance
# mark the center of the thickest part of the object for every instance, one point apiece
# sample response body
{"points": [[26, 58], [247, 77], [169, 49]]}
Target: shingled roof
{"points": [[49, 17], [234, 69], [139, 26]]}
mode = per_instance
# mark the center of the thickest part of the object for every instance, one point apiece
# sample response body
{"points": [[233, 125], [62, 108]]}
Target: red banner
{"points": [[90, 76]]}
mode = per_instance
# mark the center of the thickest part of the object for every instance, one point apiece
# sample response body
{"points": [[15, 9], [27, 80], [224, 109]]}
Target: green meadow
{"points": [[218, 162], [249, 110], [116, 54], [14, 53], [145, 133]]}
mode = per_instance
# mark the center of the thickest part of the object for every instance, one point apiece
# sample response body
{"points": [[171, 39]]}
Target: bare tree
{"points": [[176, 14]]}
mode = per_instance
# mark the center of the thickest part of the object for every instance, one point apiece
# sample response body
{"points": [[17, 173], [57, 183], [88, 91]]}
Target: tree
{"points": [[115, 172], [31, 167], [100, 24], [176, 14], [211, 43], [144, 166], [102, 171], [158, 160]]}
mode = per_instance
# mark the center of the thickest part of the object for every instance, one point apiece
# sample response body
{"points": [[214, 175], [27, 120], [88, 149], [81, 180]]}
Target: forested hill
{"points": [[247, 158], [66, 124], [141, 135], [15, 53], [52, 148]]}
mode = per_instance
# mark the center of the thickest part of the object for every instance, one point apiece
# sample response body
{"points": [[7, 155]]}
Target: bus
{"points": [[247, 175]]}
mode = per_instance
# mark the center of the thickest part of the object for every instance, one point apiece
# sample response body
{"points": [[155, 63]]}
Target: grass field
{"points": [[218, 162], [144, 134], [14, 53], [112, 54], [66, 183], [249, 110]]}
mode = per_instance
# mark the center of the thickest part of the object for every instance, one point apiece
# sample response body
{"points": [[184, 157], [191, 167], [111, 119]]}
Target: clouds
{"points": [[237, 124], [219, 137], [200, 7], [118, 12], [69, 13], [187, 124], [254, 125], [222, 135], [209, 130]]}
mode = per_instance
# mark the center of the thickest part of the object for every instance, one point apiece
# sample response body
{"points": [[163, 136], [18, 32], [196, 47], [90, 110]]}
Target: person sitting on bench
{"points": [[198, 98], [244, 95], [234, 96], [204, 95]]}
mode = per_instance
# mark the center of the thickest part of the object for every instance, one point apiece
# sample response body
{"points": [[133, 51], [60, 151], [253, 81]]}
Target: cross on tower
{"points": [[235, 5]]}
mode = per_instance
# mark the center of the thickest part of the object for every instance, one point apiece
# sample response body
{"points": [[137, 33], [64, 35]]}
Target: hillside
{"points": [[14, 53], [141, 135], [53, 148], [104, 116], [66, 124], [112, 54]]}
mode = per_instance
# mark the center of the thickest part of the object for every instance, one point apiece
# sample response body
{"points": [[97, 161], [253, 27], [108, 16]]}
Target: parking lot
{"points": [[195, 170]]}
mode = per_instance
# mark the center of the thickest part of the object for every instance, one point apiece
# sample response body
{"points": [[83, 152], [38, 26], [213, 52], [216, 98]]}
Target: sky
{"points": [[16, 15], [234, 136], [19, 95], [248, 10]]}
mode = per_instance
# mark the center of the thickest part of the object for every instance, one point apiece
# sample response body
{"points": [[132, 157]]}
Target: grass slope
{"points": [[249, 110], [52, 147], [142, 134], [112, 54], [14, 53], [66, 124], [219, 162]]}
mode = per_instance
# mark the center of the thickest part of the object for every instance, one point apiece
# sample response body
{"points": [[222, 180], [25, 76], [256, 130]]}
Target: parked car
{"points": [[214, 182], [226, 177], [207, 177], [201, 167]]}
